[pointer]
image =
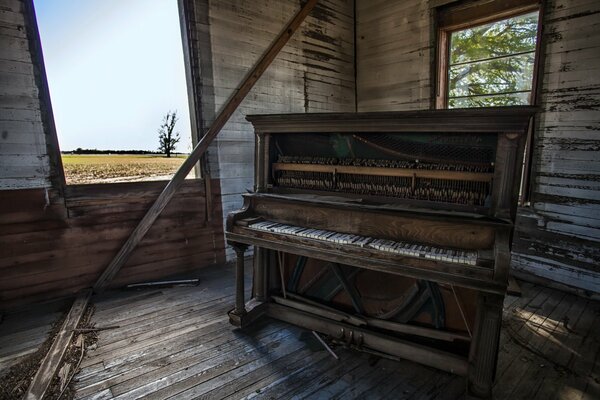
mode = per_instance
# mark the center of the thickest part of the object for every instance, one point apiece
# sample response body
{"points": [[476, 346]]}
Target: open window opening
{"points": [[117, 83], [488, 56]]}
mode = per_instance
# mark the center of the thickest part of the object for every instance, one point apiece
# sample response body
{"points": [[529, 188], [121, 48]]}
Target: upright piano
{"points": [[387, 232]]}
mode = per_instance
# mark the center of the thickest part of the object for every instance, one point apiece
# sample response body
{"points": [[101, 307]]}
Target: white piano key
{"points": [[362, 242], [307, 233], [256, 225], [320, 234]]}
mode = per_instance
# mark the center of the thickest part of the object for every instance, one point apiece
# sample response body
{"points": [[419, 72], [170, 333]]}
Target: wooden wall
{"points": [[313, 73], [558, 237], [51, 248], [394, 55], [56, 239], [26, 125]]}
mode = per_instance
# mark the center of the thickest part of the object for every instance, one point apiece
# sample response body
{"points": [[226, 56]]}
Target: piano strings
{"points": [[463, 184]]}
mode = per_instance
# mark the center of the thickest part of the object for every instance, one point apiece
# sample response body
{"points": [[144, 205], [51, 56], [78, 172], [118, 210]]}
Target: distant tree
{"points": [[167, 138]]}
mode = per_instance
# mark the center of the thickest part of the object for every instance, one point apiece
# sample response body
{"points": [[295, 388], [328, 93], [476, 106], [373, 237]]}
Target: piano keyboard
{"points": [[388, 246]]}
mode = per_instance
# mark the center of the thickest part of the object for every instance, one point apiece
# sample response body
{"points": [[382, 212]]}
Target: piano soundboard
{"points": [[386, 232]]}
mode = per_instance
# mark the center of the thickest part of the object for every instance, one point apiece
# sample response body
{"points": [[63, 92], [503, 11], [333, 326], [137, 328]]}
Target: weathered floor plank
{"points": [[23, 332], [177, 343], [214, 361]]}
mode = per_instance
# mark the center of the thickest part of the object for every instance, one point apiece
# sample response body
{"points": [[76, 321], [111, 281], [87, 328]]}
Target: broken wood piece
{"points": [[49, 366], [63, 375], [325, 345], [165, 283], [226, 112]]}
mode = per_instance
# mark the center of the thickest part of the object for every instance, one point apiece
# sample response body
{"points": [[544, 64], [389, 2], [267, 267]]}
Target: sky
{"points": [[115, 68]]}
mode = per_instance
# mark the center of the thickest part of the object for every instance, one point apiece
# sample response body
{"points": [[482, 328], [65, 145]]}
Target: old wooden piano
{"points": [[388, 232]]}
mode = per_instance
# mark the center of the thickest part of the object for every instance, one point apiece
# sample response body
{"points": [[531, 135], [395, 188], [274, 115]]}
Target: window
{"points": [[489, 61], [116, 71], [487, 56]]}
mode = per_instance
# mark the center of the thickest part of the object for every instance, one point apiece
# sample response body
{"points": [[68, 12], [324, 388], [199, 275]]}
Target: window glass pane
{"points": [[509, 36], [492, 64], [515, 99], [501, 75]]}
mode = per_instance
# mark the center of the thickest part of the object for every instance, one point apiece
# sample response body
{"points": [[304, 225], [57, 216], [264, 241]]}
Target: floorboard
{"points": [[176, 343], [22, 332]]}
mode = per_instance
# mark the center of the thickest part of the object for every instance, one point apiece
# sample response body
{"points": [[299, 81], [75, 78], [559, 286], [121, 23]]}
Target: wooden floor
{"points": [[22, 332], [177, 343]]}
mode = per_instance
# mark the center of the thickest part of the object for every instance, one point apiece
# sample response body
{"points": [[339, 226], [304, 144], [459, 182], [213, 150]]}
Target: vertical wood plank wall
{"points": [[558, 237], [50, 247], [24, 156], [394, 59], [313, 73]]}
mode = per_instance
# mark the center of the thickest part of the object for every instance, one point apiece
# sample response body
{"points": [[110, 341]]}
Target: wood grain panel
{"points": [[379, 225], [393, 45], [28, 150], [49, 250]]}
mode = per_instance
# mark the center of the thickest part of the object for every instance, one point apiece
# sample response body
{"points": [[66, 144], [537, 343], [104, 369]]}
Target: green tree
{"points": [[492, 64], [167, 136]]}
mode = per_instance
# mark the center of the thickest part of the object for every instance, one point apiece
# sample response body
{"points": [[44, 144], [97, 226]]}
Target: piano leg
{"points": [[244, 313], [236, 315], [484, 349]]}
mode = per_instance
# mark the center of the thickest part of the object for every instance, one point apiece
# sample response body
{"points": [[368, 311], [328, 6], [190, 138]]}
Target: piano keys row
{"points": [[388, 246]]}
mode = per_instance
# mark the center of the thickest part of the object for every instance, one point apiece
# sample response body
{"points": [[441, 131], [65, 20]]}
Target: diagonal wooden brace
{"points": [[169, 191]]}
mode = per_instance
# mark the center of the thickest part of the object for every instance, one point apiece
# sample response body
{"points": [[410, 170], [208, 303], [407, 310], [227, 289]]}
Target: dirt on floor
{"points": [[14, 384]]}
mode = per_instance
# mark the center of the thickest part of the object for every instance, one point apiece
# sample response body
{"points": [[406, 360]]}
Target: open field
{"points": [[110, 168]]}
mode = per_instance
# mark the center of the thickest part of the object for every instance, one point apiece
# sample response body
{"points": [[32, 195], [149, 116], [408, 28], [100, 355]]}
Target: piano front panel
{"points": [[381, 225]]}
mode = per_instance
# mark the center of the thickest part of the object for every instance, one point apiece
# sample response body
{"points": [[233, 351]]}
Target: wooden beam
{"points": [[163, 199], [51, 362]]}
